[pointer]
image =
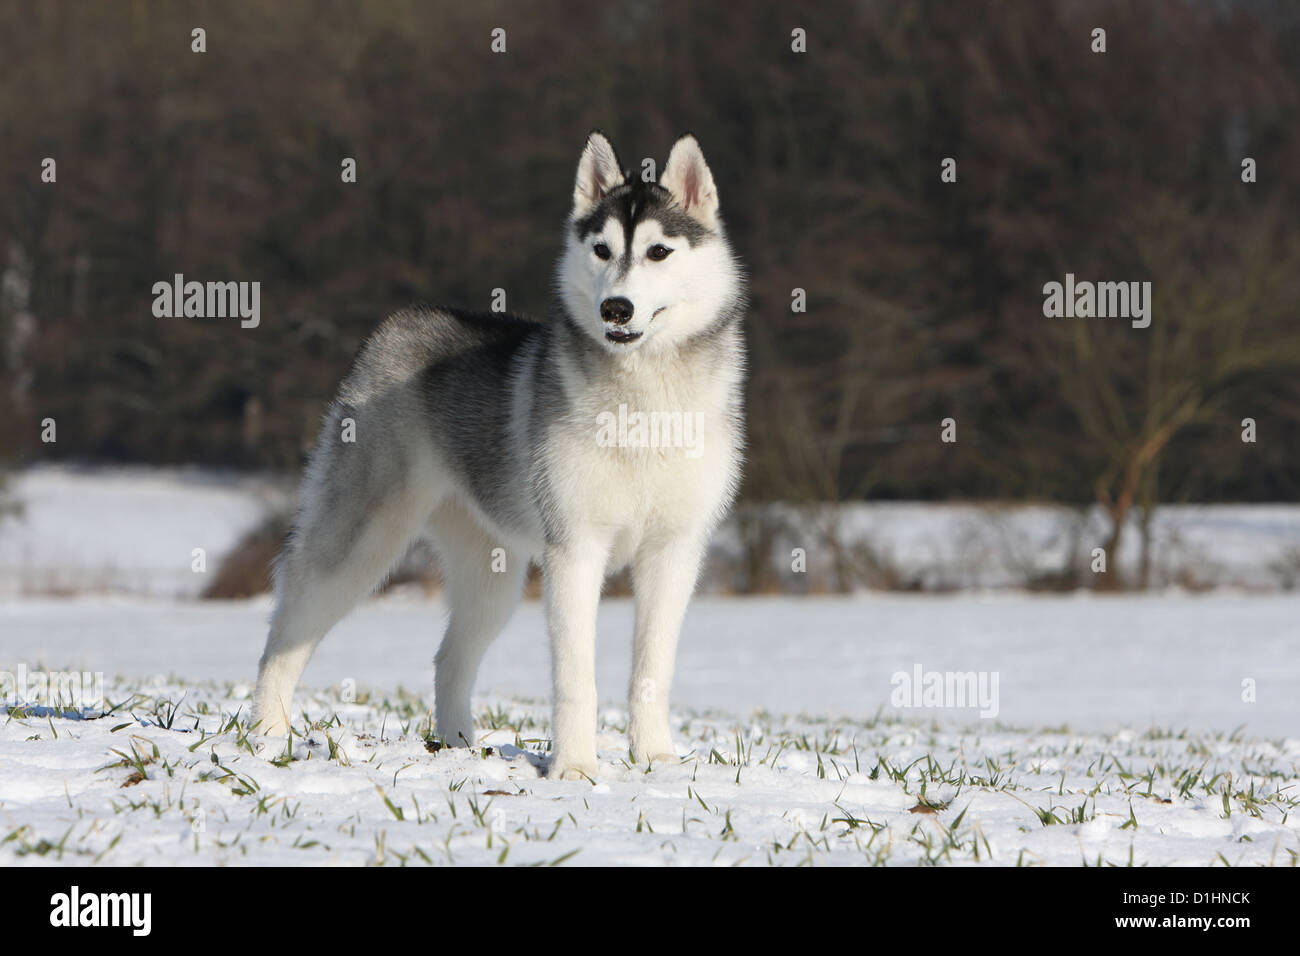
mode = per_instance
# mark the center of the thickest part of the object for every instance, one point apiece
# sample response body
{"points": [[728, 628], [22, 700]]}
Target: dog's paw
{"points": [[660, 758], [270, 748], [563, 768], [644, 759], [455, 736], [266, 721], [657, 748]]}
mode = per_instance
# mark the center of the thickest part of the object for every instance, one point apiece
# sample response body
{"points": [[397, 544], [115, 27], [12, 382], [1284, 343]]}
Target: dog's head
{"points": [[646, 265]]}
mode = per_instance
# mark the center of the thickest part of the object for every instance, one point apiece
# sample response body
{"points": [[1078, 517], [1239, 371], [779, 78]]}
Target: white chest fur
{"points": [[653, 444]]}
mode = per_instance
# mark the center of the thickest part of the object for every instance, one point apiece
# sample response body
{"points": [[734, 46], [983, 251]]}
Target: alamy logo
{"points": [[650, 430], [208, 300], [946, 689], [79, 690], [103, 909], [1102, 300]]}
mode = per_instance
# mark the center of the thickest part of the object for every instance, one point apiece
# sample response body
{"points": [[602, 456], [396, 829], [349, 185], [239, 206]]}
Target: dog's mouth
{"points": [[622, 336]]}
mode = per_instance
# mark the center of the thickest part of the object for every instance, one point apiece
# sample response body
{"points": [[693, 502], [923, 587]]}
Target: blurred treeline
{"points": [[924, 298]]}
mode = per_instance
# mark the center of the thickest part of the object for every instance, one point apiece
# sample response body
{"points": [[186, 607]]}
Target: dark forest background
{"points": [[924, 298]]}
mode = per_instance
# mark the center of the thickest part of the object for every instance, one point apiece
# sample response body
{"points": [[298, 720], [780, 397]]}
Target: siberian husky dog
{"points": [[610, 435]]}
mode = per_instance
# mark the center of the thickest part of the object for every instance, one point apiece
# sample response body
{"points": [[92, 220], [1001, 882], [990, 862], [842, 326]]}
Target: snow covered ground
{"points": [[1121, 737], [1159, 728], [134, 530], [1095, 663], [126, 529]]}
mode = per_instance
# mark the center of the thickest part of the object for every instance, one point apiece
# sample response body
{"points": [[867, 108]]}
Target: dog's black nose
{"points": [[617, 310]]}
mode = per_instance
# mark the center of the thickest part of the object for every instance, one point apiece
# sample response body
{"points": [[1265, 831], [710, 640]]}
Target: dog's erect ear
{"points": [[599, 171], [687, 177]]}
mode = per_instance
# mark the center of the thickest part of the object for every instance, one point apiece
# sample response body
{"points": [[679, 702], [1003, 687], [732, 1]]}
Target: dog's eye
{"points": [[601, 250], [659, 252]]}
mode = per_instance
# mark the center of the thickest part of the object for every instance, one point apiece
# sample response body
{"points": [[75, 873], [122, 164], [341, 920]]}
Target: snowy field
{"points": [[134, 530], [126, 530], [1121, 737], [1156, 728]]}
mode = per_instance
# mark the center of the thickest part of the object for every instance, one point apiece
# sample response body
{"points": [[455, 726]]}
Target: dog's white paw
{"points": [[268, 722], [270, 747], [658, 757], [653, 747], [455, 736], [655, 755], [565, 768]]}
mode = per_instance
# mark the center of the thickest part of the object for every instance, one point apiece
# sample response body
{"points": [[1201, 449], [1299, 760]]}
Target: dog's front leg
{"points": [[663, 577], [574, 573]]}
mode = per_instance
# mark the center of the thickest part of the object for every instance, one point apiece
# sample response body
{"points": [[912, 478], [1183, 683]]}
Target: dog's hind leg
{"points": [[344, 545], [484, 581]]}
